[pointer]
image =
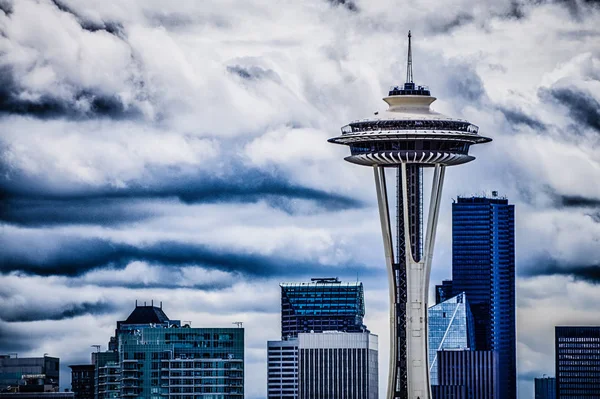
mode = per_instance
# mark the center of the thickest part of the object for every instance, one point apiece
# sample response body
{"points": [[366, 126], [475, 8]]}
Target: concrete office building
{"points": [[282, 369], [336, 365]]}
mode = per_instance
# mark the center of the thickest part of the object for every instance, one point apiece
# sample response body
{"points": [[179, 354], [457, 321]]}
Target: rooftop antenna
{"points": [[97, 347], [409, 72], [240, 324]]}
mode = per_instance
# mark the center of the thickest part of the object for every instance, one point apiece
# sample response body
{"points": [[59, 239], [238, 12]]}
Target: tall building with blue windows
{"points": [[152, 356], [451, 327], [483, 267], [577, 351], [545, 388], [323, 304]]}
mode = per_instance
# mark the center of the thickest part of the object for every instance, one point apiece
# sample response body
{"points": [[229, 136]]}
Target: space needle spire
{"points": [[409, 70], [409, 137]]}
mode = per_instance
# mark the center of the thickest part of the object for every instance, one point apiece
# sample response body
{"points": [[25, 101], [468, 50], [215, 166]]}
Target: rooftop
{"points": [[146, 315]]}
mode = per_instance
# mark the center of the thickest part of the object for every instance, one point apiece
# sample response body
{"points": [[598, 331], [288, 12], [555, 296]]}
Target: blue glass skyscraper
{"points": [[450, 328], [324, 304], [483, 267]]}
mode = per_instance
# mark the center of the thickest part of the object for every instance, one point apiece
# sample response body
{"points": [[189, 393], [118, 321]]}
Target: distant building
{"points": [[577, 351], [545, 388], [443, 292], [29, 374], [154, 356], [324, 304], [37, 395], [475, 371], [483, 267], [334, 365], [282, 369], [450, 328], [82, 380]]}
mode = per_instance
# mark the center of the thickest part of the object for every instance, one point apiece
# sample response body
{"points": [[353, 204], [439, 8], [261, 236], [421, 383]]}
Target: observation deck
{"points": [[409, 132]]}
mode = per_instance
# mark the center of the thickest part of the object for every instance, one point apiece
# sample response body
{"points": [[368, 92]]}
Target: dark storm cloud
{"points": [[584, 109], [578, 202], [40, 212], [67, 311], [113, 28], [518, 117], [14, 340], [6, 6], [26, 201], [47, 106], [441, 27], [348, 4], [551, 267], [74, 256], [253, 72]]}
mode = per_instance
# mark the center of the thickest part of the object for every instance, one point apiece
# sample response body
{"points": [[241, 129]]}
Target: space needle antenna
{"points": [[409, 71]]}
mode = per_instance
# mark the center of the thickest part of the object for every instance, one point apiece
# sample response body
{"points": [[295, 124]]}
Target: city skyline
{"points": [[178, 153]]}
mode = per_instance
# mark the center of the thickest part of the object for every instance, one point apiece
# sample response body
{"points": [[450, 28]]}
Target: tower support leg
{"points": [[417, 274]]}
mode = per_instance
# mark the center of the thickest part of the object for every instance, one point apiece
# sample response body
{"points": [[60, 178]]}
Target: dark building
{"points": [[577, 351], [321, 305], [37, 395], [483, 267], [475, 371], [545, 388], [448, 392], [443, 292], [82, 380], [29, 374], [335, 365]]}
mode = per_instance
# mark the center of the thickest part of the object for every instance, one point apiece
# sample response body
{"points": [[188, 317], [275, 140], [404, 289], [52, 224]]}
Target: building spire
{"points": [[409, 72]]}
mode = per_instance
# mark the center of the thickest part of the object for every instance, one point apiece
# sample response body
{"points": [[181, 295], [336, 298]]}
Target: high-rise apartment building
{"points": [[483, 267], [577, 351], [29, 374], [336, 365], [545, 388], [156, 357], [472, 374], [450, 328], [324, 304]]}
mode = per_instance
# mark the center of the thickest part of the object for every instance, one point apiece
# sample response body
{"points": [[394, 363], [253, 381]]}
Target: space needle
{"points": [[409, 137]]}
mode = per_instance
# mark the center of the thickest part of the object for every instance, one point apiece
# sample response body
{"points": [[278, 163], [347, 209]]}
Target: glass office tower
{"points": [[324, 304], [450, 328], [577, 351], [483, 267]]}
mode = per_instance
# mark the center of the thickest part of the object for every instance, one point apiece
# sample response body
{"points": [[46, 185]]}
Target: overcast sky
{"points": [[176, 152]]}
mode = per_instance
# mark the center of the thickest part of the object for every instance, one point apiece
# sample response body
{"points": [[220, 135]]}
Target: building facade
{"points": [[577, 351], [321, 305], [82, 380], [545, 388], [157, 357], [335, 365], [282, 369], [475, 371], [483, 267], [29, 374], [451, 327]]}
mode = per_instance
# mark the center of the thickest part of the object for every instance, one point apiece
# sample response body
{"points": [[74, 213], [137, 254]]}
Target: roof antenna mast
{"points": [[409, 72]]}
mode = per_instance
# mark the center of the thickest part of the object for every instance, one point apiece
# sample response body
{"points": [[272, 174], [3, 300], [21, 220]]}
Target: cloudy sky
{"points": [[176, 152]]}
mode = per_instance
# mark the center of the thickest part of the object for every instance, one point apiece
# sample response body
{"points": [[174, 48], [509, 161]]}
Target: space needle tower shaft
{"points": [[409, 137]]}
